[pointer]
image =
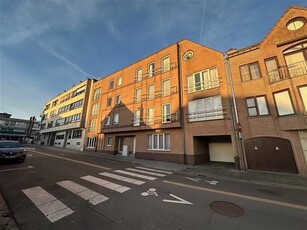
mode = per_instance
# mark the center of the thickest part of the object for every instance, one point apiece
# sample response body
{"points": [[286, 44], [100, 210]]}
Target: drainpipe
{"points": [[181, 109], [234, 116]]}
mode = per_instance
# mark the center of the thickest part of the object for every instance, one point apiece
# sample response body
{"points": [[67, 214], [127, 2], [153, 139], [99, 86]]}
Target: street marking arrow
{"points": [[179, 200], [193, 179]]}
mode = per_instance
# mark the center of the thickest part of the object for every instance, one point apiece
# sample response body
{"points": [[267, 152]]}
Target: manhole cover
{"points": [[227, 209], [269, 192]]}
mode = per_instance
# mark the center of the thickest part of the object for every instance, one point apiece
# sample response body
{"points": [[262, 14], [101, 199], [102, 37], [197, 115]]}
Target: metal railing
{"points": [[203, 85], [287, 72], [162, 69]]}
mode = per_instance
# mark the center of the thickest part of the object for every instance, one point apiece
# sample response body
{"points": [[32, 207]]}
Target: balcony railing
{"points": [[162, 69], [163, 119], [287, 72]]}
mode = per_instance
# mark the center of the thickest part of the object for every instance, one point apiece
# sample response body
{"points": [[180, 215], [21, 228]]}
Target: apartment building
{"points": [[172, 106], [18, 129], [63, 117], [270, 90]]}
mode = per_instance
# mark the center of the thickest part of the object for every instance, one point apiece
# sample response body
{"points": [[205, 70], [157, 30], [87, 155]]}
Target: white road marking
{"points": [[193, 179], [67, 159], [122, 178], [146, 172], [15, 169], [135, 174], [85, 193], [155, 170], [289, 205], [52, 208], [178, 200], [106, 184]]}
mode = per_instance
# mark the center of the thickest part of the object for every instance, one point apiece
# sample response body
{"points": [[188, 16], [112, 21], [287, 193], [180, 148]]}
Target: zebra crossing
{"points": [[54, 209]]}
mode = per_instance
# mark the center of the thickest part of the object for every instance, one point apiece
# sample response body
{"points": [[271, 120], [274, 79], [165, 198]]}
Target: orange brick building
{"points": [[270, 90], [170, 106]]}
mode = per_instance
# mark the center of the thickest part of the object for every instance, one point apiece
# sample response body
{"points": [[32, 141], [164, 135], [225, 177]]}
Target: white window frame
{"points": [[303, 93], [160, 142], [97, 94], [151, 69], [109, 141], [137, 98], [150, 117], [91, 142], [107, 120], [137, 117], [119, 81], [95, 109], [109, 101], [257, 106], [150, 92], [138, 74], [166, 64], [207, 80], [166, 92], [93, 125], [115, 118], [166, 116], [283, 103], [111, 84], [117, 99]]}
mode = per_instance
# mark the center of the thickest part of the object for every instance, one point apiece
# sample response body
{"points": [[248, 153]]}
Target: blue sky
{"points": [[46, 46]]}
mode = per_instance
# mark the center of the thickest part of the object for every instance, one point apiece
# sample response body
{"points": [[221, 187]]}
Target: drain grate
{"points": [[269, 192], [226, 208]]}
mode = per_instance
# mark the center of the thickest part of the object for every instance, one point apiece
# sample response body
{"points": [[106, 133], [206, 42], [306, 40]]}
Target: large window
{"points": [[138, 75], [137, 95], [137, 118], [166, 87], [206, 79], [97, 94], [166, 65], [296, 58], [159, 142], [150, 116], [95, 109], [303, 92], [79, 91], [77, 133], [272, 68], [257, 106], [119, 81], [151, 69], [166, 113], [250, 71], [109, 101], [107, 121], [91, 142], [209, 108], [93, 125], [111, 84], [150, 92], [283, 103]]}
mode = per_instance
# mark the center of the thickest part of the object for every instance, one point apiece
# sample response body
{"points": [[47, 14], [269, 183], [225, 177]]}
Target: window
{"points": [[77, 133], [206, 79], [150, 92], [296, 59], [79, 91], [159, 142], [47, 107], [138, 75], [91, 142], [137, 118], [76, 104], [111, 84], [59, 137], [93, 125], [272, 68], [109, 141], [95, 109], [55, 103], [97, 94], [60, 122], [166, 113], [209, 108], [150, 116], [119, 81], [296, 23], [166, 64], [137, 96], [151, 69], [166, 87], [116, 119], [257, 106], [50, 124], [250, 71], [69, 134], [65, 98], [109, 101], [52, 113], [107, 121], [283, 103], [303, 92], [117, 99]]}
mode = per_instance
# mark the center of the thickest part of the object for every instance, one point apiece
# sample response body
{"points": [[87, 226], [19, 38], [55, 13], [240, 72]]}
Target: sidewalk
{"points": [[209, 170], [7, 221]]}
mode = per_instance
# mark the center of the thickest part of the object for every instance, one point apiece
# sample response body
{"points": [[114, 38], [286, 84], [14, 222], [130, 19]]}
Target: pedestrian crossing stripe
{"points": [[146, 172], [85, 193], [122, 178], [51, 207], [135, 175], [154, 170], [106, 184]]}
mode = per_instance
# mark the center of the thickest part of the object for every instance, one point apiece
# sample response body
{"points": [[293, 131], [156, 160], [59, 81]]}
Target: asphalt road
{"points": [[62, 190]]}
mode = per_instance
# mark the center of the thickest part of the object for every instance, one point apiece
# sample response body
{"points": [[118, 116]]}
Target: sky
{"points": [[46, 46]]}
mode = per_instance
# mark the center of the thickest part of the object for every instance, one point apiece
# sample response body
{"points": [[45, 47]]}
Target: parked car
{"points": [[12, 150]]}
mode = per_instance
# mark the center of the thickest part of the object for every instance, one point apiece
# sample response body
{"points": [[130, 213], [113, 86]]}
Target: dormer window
{"points": [[296, 23]]}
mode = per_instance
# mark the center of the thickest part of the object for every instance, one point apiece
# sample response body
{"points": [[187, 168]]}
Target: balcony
{"points": [[160, 70], [288, 72]]}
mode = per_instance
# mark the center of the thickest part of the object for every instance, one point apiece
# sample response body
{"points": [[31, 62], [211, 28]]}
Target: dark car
{"points": [[12, 150]]}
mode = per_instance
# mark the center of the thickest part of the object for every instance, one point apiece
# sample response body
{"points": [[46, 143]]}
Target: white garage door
{"points": [[221, 151]]}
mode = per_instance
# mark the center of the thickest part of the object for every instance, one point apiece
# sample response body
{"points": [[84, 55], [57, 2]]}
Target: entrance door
{"points": [[270, 154]]}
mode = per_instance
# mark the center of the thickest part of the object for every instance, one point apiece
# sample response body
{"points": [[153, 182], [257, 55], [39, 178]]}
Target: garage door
{"points": [[270, 154], [221, 152]]}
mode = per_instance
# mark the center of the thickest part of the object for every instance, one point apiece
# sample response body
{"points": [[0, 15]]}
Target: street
{"points": [[54, 189]]}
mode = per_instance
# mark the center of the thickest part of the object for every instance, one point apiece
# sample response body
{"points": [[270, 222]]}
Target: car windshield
{"points": [[9, 144]]}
